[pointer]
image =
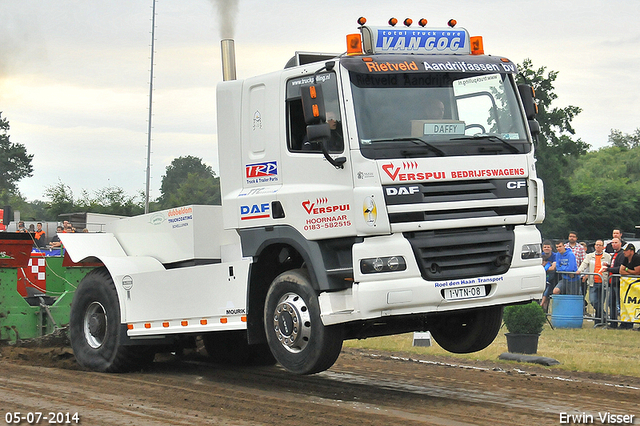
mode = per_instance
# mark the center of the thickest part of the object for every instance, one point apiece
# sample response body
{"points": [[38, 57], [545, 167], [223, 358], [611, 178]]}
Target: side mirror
{"points": [[321, 133], [318, 132], [528, 100], [313, 104], [534, 127]]}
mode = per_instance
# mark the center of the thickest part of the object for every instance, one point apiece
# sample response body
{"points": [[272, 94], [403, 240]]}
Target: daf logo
{"points": [[403, 190], [516, 184]]}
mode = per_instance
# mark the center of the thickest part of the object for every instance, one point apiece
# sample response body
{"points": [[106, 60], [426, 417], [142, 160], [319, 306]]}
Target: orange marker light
{"points": [[408, 22], [184, 323], [452, 23], [477, 48], [223, 320], [165, 324], [422, 22], [354, 44], [362, 20], [147, 325], [316, 111], [312, 92], [129, 326], [203, 322], [243, 319], [393, 22]]}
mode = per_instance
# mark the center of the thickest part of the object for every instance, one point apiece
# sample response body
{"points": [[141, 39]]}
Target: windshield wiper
{"points": [[492, 138], [418, 141]]}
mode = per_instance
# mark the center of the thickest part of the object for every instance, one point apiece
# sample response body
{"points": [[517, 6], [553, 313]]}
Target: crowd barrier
{"points": [[627, 309]]}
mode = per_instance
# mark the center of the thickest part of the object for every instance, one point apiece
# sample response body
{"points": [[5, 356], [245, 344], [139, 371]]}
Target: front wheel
{"points": [[295, 333], [467, 330]]}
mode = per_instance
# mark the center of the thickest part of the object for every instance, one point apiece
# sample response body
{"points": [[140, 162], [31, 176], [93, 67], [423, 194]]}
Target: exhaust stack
{"points": [[228, 59]]}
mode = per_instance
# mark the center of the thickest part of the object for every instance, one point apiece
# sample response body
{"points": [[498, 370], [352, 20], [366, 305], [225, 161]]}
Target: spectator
{"points": [[566, 262], [549, 263], [630, 266], [21, 227], [55, 241], [593, 262], [40, 236], [578, 251], [614, 282], [617, 233], [585, 246]]}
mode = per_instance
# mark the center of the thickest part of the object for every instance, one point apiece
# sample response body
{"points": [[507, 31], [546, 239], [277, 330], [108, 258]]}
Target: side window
{"points": [[297, 140]]}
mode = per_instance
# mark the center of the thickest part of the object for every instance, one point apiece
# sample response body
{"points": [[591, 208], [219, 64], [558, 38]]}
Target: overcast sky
{"points": [[74, 75]]}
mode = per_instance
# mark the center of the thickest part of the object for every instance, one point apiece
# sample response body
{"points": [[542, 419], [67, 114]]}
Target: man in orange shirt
{"points": [[593, 262], [40, 236]]}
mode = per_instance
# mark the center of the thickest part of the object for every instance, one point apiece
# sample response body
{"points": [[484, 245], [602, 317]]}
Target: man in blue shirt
{"points": [[566, 262], [549, 263]]}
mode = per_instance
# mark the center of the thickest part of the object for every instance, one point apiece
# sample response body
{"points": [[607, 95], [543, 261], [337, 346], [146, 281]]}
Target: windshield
{"points": [[437, 114]]}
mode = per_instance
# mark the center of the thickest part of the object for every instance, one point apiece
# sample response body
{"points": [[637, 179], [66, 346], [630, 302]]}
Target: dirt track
{"points": [[362, 388]]}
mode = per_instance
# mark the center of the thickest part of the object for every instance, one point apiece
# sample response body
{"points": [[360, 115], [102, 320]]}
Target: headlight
{"points": [[382, 264], [531, 251]]}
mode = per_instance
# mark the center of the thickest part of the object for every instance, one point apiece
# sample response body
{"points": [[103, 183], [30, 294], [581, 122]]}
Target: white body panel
{"points": [[155, 300], [406, 292]]}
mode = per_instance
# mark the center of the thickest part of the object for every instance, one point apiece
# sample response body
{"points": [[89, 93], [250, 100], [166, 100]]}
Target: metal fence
{"points": [[608, 314]]}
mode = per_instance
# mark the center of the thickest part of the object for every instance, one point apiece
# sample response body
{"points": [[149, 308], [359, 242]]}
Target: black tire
{"points": [[94, 328], [467, 331], [231, 347], [295, 333]]}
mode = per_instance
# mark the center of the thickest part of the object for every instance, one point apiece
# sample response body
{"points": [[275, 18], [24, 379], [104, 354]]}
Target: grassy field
{"points": [[596, 350]]}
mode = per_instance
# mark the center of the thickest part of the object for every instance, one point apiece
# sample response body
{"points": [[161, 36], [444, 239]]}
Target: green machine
{"points": [[36, 288]]}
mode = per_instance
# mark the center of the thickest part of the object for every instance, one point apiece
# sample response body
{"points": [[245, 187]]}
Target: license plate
{"points": [[464, 292]]}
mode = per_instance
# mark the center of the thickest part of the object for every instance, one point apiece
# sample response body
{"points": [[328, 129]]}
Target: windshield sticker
{"points": [[462, 66]]}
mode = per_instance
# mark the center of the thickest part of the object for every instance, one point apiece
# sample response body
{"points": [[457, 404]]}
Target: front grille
{"points": [[462, 253], [463, 200]]}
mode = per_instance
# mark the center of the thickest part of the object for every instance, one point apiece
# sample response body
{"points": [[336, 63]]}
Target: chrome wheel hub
{"points": [[292, 322], [95, 325]]}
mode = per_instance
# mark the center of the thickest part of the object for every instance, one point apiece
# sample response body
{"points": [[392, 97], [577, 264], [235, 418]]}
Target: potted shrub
{"points": [[524, 323]]}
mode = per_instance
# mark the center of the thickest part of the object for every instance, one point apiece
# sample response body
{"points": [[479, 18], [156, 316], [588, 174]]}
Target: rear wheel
{"points": [[95, 331], [469, 330], [231, 347], [295, 333]]}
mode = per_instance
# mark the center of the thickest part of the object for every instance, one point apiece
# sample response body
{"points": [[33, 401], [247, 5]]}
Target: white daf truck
{"points": [[386, 190]]}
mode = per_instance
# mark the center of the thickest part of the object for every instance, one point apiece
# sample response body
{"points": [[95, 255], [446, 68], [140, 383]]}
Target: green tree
{"points": [[109, 200], [605, 190], [557, 150], [15, 163], [61, 199], [624, 141], [189, 181]]}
